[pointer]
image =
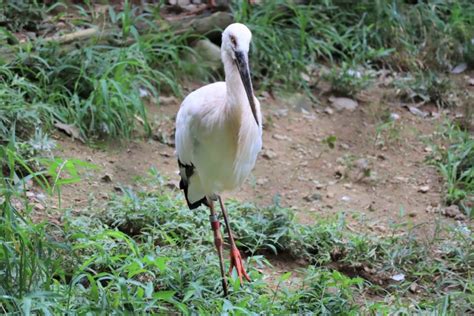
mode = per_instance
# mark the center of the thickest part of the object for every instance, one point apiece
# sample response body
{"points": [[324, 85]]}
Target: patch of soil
{"points": [[362, 271]]}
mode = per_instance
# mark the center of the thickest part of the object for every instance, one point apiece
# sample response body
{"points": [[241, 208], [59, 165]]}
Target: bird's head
{"points": [[236, 40]]}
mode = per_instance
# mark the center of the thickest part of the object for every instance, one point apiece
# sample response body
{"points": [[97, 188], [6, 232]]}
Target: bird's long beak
{"points": [[242, 61]]}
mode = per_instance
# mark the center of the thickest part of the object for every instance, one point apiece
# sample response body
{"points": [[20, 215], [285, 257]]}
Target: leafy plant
{"points": [[22, 14], [347, 81], [427, 87], [456, 166]]}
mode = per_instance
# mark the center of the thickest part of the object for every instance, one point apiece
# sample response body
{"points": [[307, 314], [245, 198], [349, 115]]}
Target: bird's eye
{"points": [[233, 40]]}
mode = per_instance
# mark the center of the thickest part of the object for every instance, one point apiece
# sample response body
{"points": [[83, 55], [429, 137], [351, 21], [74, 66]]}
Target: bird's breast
{"points": [[227, 154], [248, 146]]}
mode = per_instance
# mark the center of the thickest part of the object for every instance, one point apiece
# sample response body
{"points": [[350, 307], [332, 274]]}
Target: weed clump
{"points": [[427, 87], [347, 81], [456, 164], [148, 253]]}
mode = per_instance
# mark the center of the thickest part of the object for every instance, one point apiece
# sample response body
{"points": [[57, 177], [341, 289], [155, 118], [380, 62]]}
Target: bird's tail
{"points": [[183, 185], [186, 172]]}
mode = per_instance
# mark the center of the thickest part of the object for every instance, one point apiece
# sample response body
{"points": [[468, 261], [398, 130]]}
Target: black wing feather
{"points": [[184, 184]]}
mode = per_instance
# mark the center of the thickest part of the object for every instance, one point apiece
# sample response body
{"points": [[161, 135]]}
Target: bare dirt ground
{"points": [[375, 177]]}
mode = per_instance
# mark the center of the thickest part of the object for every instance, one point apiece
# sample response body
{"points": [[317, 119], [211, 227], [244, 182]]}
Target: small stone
{"points": [[428, 149], [143, 92], [180, 2], [417, 112], [262, 181], [398, 277], [300, 102], [362, 164], [345, 198], [424, 188], [41, 196], [173, 185], [281, 137], [318, 184], [394, 116], [371, 206], [167, 100], [414, 288], [344, 146], [39, 206], [470, 81], [348, 186], [459, 68], [269, 154], [340, 171], [328, 111], [380, 228], [305, 77], [330, 195], [452, 211], [313, 197], [190, 7], [460, 217], [281, 112], [344, 104], [401, 179], [107, 178]]}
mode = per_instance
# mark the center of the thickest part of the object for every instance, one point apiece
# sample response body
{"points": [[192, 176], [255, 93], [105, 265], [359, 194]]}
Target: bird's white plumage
{"points": [[215, 129]]}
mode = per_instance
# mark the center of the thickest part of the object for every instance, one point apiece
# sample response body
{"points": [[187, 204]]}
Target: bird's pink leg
{"points": [[235, 257], [218, 242]]}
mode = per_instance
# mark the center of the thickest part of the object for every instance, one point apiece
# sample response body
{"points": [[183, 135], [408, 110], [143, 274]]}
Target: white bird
{"points": [[218, 137]]}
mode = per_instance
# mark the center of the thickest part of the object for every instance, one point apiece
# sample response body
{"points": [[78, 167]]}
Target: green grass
{"points": [[455, 163], [147, 252], [348, 80], [309, 36], [396, 34], [426, 87], [95, 88]]}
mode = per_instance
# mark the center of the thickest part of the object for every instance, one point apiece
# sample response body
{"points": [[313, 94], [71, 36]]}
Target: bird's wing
{"points": [[189, 128], [190, 182]]}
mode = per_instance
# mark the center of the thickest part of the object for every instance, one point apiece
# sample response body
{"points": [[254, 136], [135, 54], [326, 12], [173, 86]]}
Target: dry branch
{"points": [[202, 24], [76, 36]]}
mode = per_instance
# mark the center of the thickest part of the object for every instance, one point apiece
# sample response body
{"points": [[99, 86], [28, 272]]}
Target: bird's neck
{"points": [[236, 95]]}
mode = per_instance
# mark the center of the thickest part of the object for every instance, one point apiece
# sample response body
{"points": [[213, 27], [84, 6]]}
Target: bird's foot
{"points": [[236, 261]]}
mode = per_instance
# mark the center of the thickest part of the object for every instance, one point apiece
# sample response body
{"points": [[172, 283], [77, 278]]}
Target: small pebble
{"points": [[424, 189]]}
